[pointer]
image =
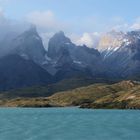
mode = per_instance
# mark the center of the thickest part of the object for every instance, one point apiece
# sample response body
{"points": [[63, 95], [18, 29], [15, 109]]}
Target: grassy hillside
{"points": [[123, 95], [92, 96]]}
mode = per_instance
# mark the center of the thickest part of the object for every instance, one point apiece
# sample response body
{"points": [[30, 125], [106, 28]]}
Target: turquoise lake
{"points": [[69, 124]]}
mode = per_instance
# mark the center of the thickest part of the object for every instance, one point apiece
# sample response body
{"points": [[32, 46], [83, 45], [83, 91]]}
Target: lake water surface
{"points": [[69, 124]]}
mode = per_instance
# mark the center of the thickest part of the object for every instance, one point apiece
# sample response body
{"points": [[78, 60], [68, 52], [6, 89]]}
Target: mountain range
{"points": [[25, 62]]}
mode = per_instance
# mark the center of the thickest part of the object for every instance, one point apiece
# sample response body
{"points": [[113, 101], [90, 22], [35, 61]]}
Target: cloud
{"points": [[46, 21], [121, 27], [2, 15], [5, 2], [43, 19], [47, 24], [135, 26], [89, 39], [82, 32], [117, 23], [7, 26]]}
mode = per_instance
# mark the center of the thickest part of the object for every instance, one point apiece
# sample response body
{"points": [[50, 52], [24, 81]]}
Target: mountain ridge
{"points": [[64, 59]]}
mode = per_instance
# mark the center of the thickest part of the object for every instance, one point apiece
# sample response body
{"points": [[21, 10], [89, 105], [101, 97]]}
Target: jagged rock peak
{"points": [[60, 37], [32, 29], [57, 43], [60, 33], [31, 32]]}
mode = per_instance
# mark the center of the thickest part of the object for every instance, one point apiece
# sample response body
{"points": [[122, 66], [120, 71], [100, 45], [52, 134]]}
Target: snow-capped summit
{"points": [[110, 42], [116, 41]]}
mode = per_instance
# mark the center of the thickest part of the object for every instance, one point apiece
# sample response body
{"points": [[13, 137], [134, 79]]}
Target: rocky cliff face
{"points": [[80, 56], [29, 46], [56, 45]]}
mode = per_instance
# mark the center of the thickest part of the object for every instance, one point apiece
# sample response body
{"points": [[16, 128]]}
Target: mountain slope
{"points": [[80, 57], [29, 45], [121, 56], [56, 45], [17, 72]]}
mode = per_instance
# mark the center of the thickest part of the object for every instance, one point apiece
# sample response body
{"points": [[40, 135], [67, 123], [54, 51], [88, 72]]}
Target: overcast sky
{"points": [[82, 20]]}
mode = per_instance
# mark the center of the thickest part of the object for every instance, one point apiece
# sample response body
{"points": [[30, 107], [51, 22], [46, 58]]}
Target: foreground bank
{"points": [[122, 95]]}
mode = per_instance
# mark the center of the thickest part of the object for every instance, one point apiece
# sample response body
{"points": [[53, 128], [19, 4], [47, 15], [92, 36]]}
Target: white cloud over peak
{"points": [[89, 39], [47, 24], [121, 27], [135, 26], [8, 26]]}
